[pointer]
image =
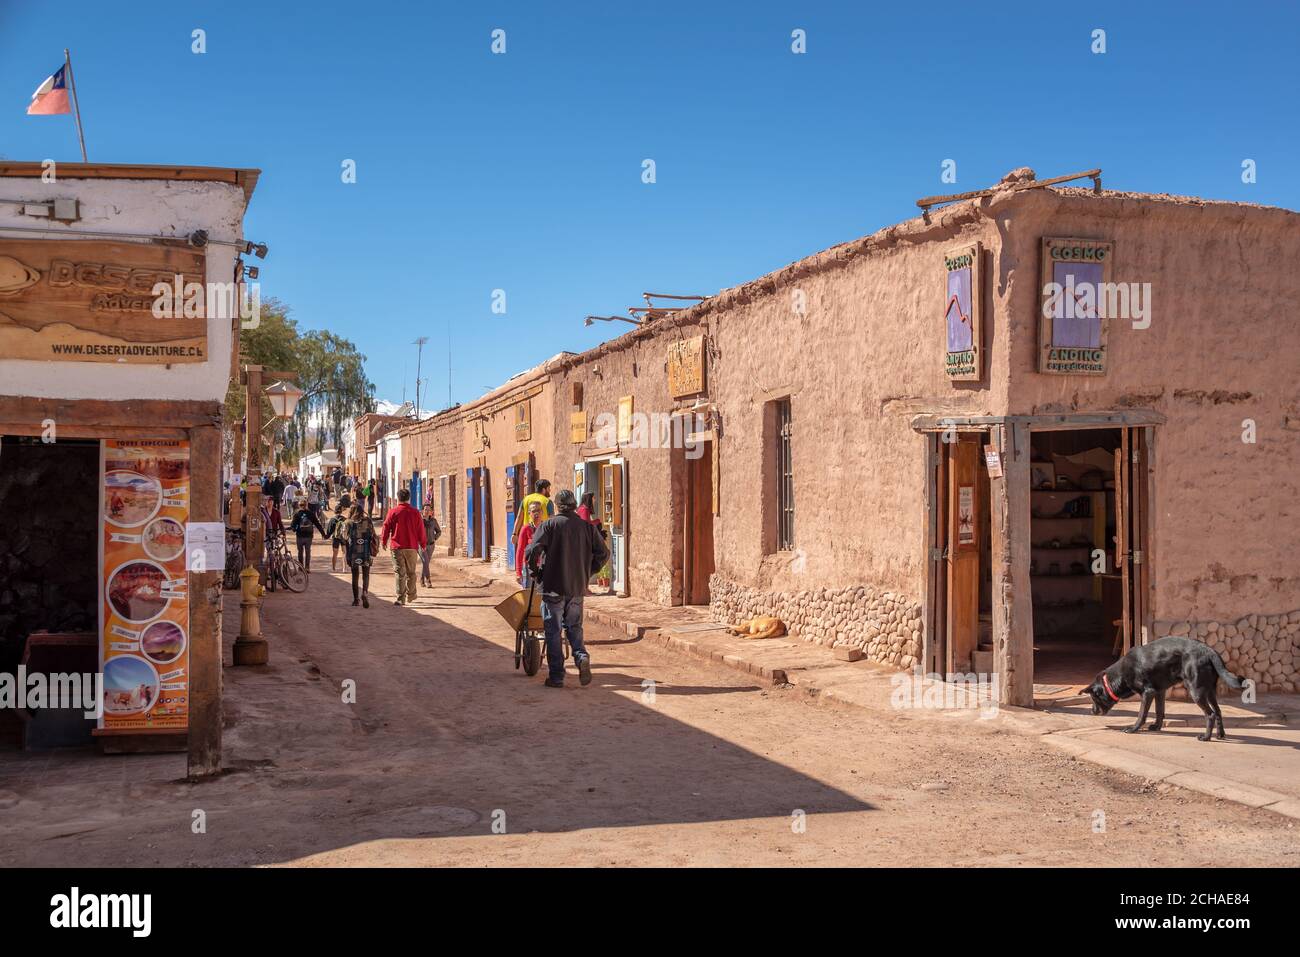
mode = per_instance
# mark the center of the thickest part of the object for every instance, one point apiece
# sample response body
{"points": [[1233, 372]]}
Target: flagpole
{"points": [[67, 60]]}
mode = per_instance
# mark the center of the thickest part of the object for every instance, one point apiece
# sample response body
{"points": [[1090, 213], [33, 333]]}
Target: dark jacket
{"points": [[303, 520], [574, 551]]}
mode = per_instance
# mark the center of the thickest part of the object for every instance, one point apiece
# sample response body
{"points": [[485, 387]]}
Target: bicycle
{"points": [[234, 558], [283, 567]]}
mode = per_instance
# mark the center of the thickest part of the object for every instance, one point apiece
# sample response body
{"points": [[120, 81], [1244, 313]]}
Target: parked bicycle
{"points": [[234, 558], [283, 567]]}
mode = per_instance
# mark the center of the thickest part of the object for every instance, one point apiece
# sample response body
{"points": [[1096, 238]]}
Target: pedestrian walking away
{"points": [[405, 529], [304, 519], [335, 531], [359, 534], [432, 532], [573, 551]]}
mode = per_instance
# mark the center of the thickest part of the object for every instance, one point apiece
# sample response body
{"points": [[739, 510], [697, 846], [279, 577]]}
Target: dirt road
{"points": [[450, 757]]}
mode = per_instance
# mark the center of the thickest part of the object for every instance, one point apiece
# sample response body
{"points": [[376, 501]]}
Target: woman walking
{"points": [[334, 531], [431, 532], [359, 533]]}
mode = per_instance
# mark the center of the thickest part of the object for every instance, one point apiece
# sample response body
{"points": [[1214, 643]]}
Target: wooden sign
{"points": [[1077, 303], [89, 301], [993, 461], [963, 313], [625, 420], [524, 421], [578, 427], [686, 367]]}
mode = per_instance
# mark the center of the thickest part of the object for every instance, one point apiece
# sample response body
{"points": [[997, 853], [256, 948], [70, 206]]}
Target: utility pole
{"points": [[419, 344]]}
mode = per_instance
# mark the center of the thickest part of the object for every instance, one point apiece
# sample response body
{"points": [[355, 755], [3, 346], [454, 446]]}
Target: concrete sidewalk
{"points": [[1258, 765]]}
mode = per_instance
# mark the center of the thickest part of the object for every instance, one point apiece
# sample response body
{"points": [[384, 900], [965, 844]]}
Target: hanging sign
{"points": [[686, 367], [963, 313], [144, 613], [578, 427], [993, 461], [1077, 302]]}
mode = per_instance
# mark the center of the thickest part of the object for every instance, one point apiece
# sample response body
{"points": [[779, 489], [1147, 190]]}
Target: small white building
{"points": [[320, 464]]}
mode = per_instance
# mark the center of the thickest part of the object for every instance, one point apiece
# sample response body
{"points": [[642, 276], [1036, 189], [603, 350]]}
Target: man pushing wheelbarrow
{"points": [[574, 551]]}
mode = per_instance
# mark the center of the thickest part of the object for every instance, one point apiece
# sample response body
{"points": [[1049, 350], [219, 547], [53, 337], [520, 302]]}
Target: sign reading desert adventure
{"points": [[1072, 322], [88, 301], [144, 611], [962, 312]]}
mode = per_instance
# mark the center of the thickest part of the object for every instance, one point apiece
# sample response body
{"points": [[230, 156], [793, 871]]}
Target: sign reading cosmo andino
{"points": [[1073, 320]]}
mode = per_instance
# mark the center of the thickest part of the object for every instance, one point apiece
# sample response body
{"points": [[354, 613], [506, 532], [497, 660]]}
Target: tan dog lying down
{"points": [[760, 627]]}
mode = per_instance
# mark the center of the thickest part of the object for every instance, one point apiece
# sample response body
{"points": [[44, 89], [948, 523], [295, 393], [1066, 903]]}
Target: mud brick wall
{"points": [[49, 559], [1264, 648], [885, 625]]}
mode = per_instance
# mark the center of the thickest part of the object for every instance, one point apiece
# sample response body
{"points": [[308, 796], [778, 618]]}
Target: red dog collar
{"points": [[1106, 684]]}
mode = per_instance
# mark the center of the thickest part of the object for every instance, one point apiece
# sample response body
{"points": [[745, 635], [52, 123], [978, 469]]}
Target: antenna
{"points": [[449, 363], [419, 344]]}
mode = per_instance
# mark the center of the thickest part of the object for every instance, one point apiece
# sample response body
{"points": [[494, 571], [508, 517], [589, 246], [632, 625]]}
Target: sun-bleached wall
{"points": [[149, 208]]}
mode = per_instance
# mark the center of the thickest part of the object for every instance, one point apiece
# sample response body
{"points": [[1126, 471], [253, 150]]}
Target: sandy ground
{"points": [[451, 757]]}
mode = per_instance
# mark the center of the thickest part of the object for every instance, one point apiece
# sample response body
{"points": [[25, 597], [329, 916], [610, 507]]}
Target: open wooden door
{"points": [[1132, 535], [697, 537], [963, 551]]}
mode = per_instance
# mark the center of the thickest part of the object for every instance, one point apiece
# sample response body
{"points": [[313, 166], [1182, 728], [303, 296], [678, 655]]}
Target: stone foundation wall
{"points": [[1264, 648], [885, 625]]}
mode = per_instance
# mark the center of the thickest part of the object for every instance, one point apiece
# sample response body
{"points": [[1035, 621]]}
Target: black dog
{"points": [[1151, 670]]}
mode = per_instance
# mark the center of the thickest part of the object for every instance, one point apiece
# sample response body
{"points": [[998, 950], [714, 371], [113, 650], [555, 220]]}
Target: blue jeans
{"points": [[561, 612]]}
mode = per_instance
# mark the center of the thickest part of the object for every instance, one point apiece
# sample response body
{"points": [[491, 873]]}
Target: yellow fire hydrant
{"points": [[250, 647]]}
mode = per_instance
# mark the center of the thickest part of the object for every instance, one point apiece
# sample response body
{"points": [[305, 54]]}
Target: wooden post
{"points": [[1013, 613], [205, 611], [250, 647]]}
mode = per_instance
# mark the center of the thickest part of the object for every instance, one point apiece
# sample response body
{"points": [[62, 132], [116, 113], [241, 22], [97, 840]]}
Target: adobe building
{"points": [[433, 457], [1016, 483], [506, 448], [110, 441], [632, 428]]}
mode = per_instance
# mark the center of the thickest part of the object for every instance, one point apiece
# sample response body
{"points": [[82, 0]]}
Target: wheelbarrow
{"points": [[523, 612]]}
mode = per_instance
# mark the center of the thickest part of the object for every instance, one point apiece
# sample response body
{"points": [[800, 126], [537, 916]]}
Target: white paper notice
{"points": [[209, 539]]}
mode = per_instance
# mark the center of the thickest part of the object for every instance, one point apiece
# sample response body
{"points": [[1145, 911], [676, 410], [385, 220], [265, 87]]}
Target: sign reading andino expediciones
{"points": [[1074, 318], [962, 313]]}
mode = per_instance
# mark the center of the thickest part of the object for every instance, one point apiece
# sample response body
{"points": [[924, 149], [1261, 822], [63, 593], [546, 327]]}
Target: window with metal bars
{"points": [[785, 479]]}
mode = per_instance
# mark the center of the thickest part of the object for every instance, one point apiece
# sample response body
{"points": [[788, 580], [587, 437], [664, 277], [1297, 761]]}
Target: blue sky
{"points": [[522, 171]]}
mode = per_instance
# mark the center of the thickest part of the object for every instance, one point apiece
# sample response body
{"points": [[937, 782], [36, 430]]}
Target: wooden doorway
{"points": [[697, 534], [959, 625]]}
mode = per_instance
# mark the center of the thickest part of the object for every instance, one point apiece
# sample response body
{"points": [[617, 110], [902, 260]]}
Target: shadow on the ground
{"points": [[443, 737]]}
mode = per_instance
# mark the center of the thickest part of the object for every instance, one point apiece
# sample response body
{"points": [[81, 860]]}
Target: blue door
{"points": [[417, 491], [471, 517], [512, 500]]}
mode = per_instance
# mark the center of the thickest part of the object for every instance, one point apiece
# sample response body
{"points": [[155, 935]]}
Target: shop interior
{"points": [[49, 574], [1077, 602]]}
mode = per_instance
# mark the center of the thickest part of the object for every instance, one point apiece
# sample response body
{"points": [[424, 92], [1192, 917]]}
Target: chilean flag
{"points": [[52, 95]]}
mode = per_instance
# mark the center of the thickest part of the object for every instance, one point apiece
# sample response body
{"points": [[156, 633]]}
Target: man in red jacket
{"points": [[405, 528]]}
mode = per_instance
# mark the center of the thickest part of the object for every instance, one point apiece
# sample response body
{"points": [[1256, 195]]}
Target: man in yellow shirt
{"points": [[541, 496]]}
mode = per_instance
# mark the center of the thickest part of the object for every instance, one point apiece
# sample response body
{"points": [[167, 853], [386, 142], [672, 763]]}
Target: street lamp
{"points": [[283, 397]]}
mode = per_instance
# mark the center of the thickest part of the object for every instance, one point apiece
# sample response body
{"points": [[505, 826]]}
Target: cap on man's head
{"points": [[565, 501]]}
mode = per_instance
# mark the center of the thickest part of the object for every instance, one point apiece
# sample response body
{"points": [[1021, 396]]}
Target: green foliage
{"points": [[331, 373]]}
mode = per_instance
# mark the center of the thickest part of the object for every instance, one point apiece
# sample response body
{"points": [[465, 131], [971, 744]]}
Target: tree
{"points": [[331, 373]]}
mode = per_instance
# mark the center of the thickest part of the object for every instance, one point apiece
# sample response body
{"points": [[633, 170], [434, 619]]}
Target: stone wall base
{"points": [[884, 625], [1264, 648]]}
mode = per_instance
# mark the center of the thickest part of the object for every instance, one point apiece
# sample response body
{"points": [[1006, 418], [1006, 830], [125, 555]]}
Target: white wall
{"points": [[147, 207]]}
